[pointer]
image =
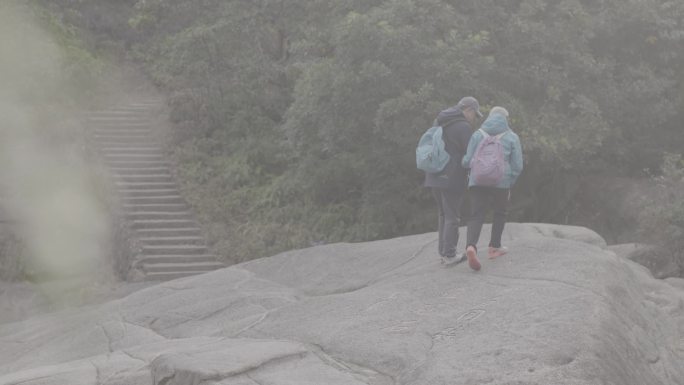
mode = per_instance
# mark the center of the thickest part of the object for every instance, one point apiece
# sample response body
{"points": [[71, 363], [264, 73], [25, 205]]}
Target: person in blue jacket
{"points": [[449, 185], [497, 197]]}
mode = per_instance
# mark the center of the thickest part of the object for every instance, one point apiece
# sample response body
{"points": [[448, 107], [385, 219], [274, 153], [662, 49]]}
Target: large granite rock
{"points": [[658, 260], [558, 309]]}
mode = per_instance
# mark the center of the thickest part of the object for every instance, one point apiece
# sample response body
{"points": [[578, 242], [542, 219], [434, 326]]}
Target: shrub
{"points": [[662, 219], [12, 252]]}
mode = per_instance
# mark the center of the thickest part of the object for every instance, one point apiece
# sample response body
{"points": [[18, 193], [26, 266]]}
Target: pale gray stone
{"points": [[559, 308], [659, 261]]}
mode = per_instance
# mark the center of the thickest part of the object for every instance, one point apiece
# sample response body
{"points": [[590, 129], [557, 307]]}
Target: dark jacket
{"points": [[456, 134]]}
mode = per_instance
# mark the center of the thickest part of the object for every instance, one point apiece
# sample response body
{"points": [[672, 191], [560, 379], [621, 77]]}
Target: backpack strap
{"points": [[502, 134], [486, 135]]}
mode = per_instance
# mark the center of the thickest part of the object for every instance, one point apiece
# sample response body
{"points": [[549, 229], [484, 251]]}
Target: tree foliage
{"points": [[661, 221], [297, 120]]}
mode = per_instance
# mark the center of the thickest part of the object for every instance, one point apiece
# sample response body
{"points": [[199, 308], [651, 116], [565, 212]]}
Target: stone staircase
{"points": [[172, 244]]}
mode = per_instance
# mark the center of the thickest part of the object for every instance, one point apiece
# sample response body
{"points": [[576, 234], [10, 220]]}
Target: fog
{"points": [[49, 192]]}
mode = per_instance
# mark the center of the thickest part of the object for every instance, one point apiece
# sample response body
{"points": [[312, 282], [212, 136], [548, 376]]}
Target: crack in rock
{"points": [[98, 373], [380, 276], [608, 300], [148, 327], [275, 360], [32, 380], [109, 338], [165, 380], [133, 357], [356, 370], [253, 379], [255, 323]]}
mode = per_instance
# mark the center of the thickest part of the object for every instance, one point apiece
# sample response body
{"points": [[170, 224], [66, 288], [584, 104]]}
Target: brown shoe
{"points": [[471, 253]]}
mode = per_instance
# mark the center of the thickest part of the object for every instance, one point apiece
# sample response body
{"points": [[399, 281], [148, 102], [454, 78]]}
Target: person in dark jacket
{"points": [[449, 185]]}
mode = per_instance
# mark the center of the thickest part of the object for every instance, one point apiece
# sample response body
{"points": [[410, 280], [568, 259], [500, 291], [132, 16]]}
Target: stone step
{"points": [[174, 249], [118, 119], [129, 106], [141, 109], [116, 126], [168, 276], [158, 215], [140, 170], [118, 111], [137, 164], [177, 232], [171, 207], [111, 159], [146, 104], [145, 178], [164, 199], [162, 224], [122, 140], [133, 146], [147, 99], [123, 185], [147, 192], [104, 139], [165, 241], [176, 258], [181, 267], [202, 267], [142, 133], [131, 150], [121, 111], [134, 136], [129, 146], [134, 157]]}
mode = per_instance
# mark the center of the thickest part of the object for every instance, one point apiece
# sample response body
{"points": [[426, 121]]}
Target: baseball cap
{"points": [[470, 102]]}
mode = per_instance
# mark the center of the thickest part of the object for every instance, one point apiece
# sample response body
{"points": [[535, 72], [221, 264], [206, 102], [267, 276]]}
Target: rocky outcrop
{"points": [[557, 309]]}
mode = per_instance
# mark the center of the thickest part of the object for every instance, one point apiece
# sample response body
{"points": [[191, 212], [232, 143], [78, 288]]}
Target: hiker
{"points": [[449, 185], [491, 190]]}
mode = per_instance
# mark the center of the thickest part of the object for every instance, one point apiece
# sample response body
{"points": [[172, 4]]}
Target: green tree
{"points": [[297, 120]]}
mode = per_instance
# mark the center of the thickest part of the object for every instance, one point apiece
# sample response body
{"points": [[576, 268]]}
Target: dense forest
{"points": [[296, 121]]}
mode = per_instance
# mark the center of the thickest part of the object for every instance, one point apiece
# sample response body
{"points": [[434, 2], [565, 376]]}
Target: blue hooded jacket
{"points": [[495, 125]]}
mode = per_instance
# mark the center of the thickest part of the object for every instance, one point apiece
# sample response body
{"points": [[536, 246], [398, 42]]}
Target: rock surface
{"points": [[661, 263], [557, 309]]}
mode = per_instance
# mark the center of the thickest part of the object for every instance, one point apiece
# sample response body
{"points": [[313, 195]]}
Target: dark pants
{"points": [[449, 219], [481, 199]]}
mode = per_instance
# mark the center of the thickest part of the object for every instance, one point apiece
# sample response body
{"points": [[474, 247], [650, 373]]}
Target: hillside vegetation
{"points": [[296, 121]]}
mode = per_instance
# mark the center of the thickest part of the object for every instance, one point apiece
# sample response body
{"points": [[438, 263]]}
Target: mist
{"points": [[49, 193]]}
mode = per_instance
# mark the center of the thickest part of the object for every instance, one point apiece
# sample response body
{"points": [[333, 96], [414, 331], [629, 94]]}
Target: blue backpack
{"points": [[431, 155]]}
